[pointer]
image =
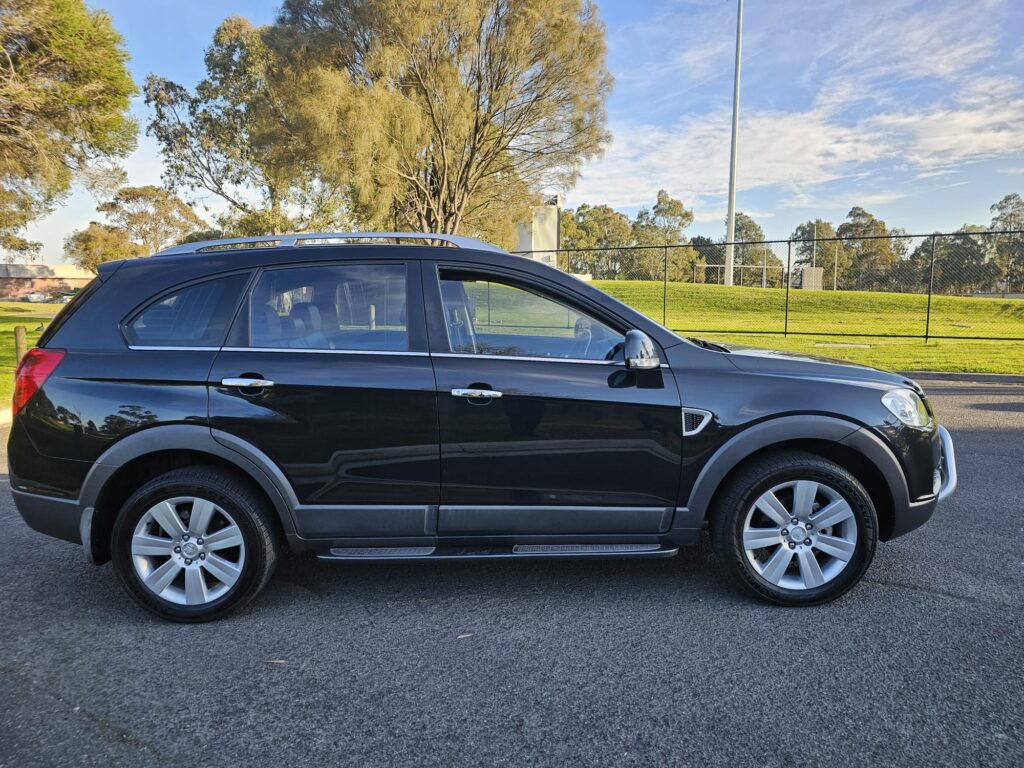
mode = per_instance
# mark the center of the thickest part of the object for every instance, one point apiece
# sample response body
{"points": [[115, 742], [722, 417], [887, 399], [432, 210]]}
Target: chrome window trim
{"points": [[386, 352], [302, 350], [472, 356], [176, 348]]}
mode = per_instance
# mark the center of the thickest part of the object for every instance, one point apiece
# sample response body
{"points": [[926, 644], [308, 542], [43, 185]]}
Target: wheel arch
{"points": [[848, 444], [143, 455]]}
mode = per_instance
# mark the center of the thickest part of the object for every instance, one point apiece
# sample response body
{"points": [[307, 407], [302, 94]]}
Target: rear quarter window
{"points": [[197, 315], [67, 311]]}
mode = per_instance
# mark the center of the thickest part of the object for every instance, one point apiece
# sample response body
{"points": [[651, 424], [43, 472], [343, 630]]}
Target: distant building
{"points": [[19, 280], [540, 238]]}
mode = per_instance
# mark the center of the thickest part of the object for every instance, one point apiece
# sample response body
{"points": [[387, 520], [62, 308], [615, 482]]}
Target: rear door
{"points": [[543, 430], [327, 372]]}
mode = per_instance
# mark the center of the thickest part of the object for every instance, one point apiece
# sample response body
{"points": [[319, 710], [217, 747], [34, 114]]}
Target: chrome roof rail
{"points": [[321, 238]]}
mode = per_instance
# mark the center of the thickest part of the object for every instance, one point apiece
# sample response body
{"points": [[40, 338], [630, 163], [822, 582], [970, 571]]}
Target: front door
{"points": [[543, 430], [328, 374]]}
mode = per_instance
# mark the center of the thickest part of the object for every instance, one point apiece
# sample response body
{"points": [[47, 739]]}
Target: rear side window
{"points": [[331, 306], [67, 311], [195, 316]]}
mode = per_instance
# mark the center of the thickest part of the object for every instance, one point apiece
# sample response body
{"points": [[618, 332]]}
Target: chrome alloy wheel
{"points": [[188, 550], [799, 535]]}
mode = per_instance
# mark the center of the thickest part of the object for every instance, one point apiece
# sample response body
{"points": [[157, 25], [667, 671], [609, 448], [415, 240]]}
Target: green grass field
{"points": [[703, 308], [14, 313], [712, 310]]}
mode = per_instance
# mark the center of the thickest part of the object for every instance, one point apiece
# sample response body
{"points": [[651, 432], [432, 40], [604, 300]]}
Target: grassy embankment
{"points": [[707, 310]]}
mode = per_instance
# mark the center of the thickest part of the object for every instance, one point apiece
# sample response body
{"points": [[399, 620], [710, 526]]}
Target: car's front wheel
{"points": [[795, 528], [194, 544]]}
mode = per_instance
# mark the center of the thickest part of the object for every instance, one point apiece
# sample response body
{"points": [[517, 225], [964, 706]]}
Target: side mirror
{"points": [[639, 351]]}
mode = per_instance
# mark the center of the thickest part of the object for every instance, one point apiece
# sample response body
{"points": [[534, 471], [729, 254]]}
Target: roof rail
{"points": [[321, 238]]}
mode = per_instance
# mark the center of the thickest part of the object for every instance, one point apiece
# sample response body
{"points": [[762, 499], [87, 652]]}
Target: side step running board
{"points": [[515, 551]]}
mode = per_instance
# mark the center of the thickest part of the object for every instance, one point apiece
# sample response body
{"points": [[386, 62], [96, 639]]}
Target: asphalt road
{"points": [[580, 663]]}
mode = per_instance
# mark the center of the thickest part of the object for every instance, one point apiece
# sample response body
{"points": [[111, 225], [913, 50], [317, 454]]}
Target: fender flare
{"points": [[784, 429], [254, 463]]}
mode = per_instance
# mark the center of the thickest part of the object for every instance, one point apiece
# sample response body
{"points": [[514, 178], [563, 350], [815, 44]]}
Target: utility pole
{"points": [[730, 229]]}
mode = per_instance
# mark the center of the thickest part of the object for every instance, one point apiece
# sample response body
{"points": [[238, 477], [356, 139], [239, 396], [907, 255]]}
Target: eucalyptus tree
{"points": [[64, 98]]}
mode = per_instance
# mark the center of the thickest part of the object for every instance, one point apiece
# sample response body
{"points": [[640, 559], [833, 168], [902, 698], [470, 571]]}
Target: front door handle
{"points": [[485, 393], [245, 383]]}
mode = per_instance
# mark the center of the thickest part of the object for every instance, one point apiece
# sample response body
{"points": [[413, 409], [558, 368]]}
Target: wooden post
{"points": [[20, 342]]}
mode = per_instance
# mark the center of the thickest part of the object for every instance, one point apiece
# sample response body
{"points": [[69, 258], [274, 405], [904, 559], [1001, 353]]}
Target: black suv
{"points": [[385, 396]]}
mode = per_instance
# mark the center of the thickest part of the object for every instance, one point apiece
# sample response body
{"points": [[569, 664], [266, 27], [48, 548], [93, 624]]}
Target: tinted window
{"points": [[331, 306], [488, 317], [196, 316], [68, 310]]}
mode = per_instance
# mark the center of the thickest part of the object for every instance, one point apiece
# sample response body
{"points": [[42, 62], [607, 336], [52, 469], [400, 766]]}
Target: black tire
{"points": [[249, 511], [767, 472]]}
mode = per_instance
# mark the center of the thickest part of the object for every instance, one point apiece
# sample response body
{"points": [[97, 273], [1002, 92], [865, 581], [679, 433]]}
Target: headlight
{"points": [[906, 406]]}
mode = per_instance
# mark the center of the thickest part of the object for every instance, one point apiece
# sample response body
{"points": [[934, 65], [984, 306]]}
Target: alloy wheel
{"points": [[799, 535], [188, 550]]}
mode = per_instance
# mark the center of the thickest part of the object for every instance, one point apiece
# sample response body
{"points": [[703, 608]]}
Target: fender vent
{"points": [[694, 420]]}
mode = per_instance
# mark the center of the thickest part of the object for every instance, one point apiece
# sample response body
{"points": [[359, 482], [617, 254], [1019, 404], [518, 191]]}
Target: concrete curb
{"points": [[992, 378]]}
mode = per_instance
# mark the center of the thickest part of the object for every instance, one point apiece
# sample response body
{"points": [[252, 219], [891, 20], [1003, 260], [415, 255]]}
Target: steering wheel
{"points": [[614, 351]]}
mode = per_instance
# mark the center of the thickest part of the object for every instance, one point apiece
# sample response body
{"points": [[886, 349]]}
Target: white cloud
{"points": [[838, 201], [706, 215], [691, 159], [986, 126], [1015, 171]]}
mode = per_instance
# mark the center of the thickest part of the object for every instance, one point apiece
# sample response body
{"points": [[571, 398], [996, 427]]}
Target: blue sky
{"points": [[913, 109]]}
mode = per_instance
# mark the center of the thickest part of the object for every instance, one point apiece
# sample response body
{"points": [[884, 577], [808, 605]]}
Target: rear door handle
{"points": [[247, 383], [487, 393]]}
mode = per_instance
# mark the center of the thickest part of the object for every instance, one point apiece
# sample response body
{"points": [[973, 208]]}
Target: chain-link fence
{"points": [[964, 285]]}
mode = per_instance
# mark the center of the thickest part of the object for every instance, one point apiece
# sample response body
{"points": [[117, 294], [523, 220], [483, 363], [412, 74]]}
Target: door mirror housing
{"points": [[640, 353]]}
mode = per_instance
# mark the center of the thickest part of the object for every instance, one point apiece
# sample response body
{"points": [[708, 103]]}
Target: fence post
{"points": [[931, 285], [789, 282], [664, 290], [20, 342], [835, 267]]}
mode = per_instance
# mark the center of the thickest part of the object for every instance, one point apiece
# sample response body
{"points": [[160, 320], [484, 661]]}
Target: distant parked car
{"points": [[191, 415], [37, 298]]}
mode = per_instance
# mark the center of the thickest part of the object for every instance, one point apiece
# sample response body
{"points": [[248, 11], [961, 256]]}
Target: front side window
{"points": [[195, 316], [488, 317], [331, 306]]}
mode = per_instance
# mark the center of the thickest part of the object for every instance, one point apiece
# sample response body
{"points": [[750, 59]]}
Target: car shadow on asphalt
{"points": [[692, 574]]}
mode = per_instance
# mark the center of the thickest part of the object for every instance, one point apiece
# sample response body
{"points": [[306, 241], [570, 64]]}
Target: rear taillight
{"points": [[35, 367]]}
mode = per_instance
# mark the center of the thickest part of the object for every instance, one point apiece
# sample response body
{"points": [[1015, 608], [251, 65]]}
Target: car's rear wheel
{"points": [[795, 528], [194, 544]]}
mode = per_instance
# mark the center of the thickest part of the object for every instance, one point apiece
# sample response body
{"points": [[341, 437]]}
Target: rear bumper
{"points": [[61, 518]]}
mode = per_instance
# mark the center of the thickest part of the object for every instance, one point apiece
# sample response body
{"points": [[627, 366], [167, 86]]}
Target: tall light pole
{"points": [[730, 229]]}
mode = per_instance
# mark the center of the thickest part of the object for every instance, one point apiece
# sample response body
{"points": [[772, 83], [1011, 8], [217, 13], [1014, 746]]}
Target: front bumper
{"points": [[917, 513], [947, 465]]}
